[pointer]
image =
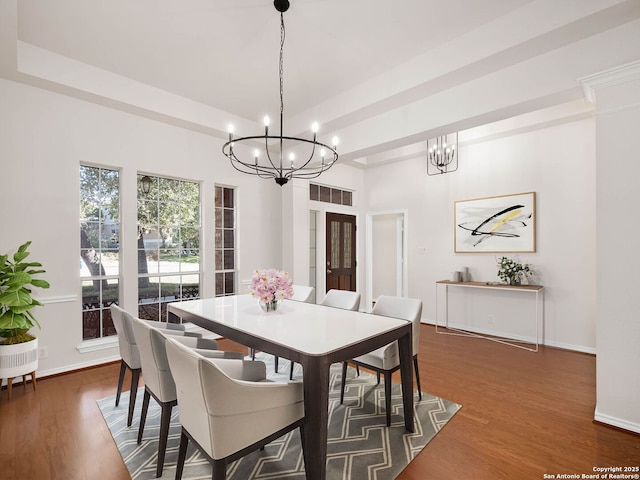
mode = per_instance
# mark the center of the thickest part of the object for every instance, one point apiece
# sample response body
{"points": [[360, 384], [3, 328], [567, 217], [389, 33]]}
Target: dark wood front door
{"points": [[341, 252]]}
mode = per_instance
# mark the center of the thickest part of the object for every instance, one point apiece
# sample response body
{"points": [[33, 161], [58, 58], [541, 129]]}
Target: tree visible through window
{"points": [[168, 245], [225, 247], [99, 249]]}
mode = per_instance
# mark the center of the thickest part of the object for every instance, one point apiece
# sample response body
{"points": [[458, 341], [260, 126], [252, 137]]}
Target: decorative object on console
{"points": [[465, 274], [442, 155], [270, 286], [275, 168], [506, 223], [512, 272]]}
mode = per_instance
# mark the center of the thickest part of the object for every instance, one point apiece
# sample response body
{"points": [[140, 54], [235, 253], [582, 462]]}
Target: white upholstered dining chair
{"points": [[228, 408], [158, 380], [303, 293], [344, 299], [130, 355], [386, 360]]}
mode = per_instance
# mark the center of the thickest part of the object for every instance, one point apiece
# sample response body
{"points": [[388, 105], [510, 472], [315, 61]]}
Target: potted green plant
{"points": [[18, 348], [512, 272]]}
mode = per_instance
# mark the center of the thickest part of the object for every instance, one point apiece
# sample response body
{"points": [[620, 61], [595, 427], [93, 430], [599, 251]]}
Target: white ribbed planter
{"points": [[19, 359]]}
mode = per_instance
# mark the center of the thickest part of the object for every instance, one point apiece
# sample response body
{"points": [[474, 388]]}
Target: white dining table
{"points": [[314, 336]]}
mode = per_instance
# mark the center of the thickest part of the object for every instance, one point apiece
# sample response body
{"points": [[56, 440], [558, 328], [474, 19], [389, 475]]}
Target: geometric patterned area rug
{"points": [[360, 446]]}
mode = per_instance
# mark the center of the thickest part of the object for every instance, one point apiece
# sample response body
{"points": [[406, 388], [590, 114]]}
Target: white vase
{"points": [[19, 359], [465, 274]]}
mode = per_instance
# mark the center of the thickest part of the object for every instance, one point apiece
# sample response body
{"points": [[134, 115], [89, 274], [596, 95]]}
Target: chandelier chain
{"points": [[281, 66]]}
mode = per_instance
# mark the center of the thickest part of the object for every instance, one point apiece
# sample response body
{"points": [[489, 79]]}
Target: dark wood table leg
{"points": [[316, 410], [406, 372]]}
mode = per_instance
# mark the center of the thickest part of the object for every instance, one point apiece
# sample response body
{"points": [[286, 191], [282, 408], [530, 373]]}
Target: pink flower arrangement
{"points": [[271, 285]]}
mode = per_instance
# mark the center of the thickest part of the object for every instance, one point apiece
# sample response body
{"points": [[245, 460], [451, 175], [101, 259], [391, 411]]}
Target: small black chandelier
{"points": [[442, 154], [274, 165]]}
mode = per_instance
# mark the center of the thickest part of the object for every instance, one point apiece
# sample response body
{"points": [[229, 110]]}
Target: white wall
{"points": [[617, 95], [44, 137], [558, 163]]}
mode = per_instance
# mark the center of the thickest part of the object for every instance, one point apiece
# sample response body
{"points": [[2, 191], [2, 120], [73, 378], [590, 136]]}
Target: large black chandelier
{"points": [[442, 154], [273, 164]]}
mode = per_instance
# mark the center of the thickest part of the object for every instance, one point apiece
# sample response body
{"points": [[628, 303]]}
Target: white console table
{"points": [[537, 290]]}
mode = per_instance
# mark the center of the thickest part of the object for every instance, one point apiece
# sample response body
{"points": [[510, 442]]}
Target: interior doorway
{"points": [[386, 243]]}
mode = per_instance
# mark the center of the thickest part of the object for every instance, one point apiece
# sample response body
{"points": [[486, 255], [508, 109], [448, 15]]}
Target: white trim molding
{"points": [[619, 75], [402, 226], [58, 299], [546, 343], [616, 422], [77, 366], [98, 344]]}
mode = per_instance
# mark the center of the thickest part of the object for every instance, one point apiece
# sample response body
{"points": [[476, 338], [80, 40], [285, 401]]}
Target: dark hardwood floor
{"points": [[523, 415]]}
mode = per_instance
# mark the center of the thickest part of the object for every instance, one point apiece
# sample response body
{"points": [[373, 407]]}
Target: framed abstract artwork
{"points": [[506, 223]]}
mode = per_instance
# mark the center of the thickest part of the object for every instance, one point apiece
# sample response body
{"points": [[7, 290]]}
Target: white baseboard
{"points": [[564, 346], [616, 422], [77, 366], [70, 368], [568, 346]]}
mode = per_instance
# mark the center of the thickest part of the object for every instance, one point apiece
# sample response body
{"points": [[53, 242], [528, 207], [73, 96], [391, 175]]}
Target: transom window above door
{"points": [[321, 193]]}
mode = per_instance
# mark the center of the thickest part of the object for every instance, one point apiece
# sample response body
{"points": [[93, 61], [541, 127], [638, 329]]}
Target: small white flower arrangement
{"points": [[512, 272]]}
